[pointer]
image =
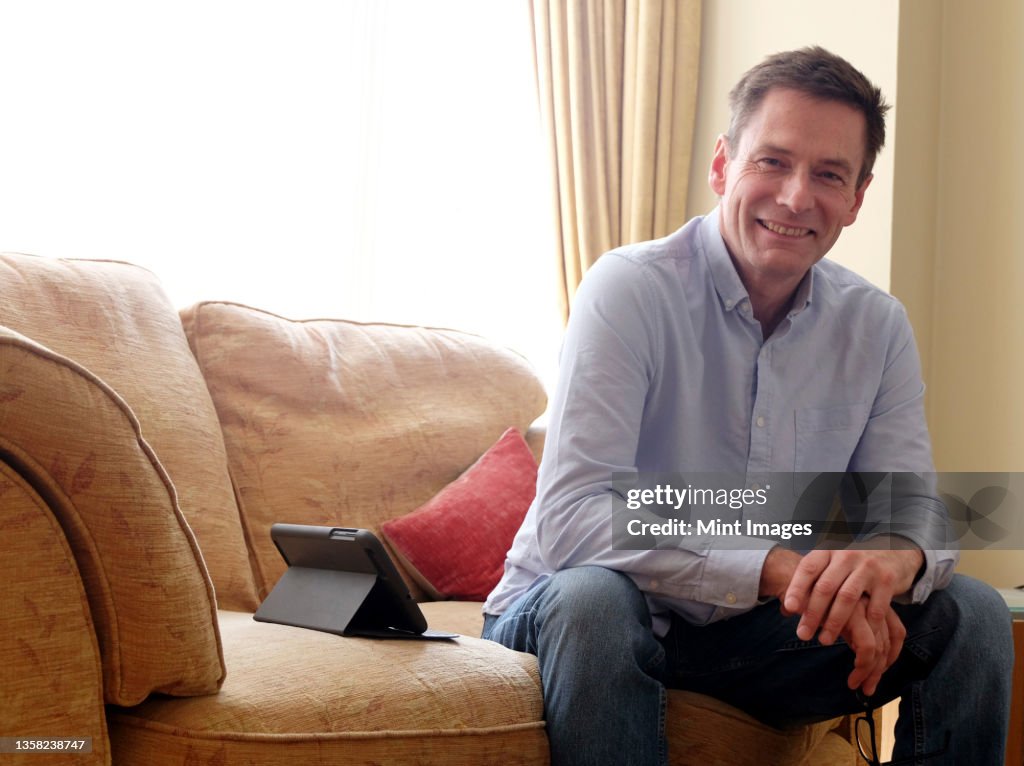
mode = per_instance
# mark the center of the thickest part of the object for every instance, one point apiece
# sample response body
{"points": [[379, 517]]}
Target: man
{"points": [[731, 346]]}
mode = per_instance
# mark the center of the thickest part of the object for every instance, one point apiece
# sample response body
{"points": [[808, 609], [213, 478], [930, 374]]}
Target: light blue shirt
{"points": [[664, 369]]}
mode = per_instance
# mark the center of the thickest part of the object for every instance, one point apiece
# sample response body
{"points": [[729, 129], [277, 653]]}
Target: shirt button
{"points": [[729, 305], [730, 598], [760, 421]]}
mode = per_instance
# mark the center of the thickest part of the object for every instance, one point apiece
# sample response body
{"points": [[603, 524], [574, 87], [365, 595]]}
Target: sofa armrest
{"points": [[50, 668], [80, 448]]}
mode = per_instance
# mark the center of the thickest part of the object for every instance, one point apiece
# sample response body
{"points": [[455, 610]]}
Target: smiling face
{"points": [[789, 187]]}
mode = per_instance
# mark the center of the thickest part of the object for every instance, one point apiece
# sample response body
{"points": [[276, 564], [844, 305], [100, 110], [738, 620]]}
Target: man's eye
{"points": [[770, 162]]}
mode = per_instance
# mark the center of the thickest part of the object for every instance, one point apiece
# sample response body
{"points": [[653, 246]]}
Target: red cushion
{"points": [[456, 542]]}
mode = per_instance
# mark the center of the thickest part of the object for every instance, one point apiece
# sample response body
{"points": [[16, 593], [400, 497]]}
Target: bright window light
{"points": [[377, 160]]}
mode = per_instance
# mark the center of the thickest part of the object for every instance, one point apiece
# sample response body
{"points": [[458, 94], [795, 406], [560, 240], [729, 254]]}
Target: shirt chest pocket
{"points": [[827, 436]]}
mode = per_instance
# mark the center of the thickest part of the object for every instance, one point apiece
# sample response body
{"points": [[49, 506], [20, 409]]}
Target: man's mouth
{"points": [[786, 231]]}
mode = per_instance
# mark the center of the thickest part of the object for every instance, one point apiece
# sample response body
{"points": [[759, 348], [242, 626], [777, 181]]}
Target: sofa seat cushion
{"points": [[295, 696], [464, 617], [702, 730]]}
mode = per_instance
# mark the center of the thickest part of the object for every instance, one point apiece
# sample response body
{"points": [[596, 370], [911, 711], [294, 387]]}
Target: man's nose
{"points": [[796, 193]]}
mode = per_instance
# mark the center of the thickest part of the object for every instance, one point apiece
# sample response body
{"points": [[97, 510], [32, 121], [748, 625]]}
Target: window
{"points": [[377, 160]]}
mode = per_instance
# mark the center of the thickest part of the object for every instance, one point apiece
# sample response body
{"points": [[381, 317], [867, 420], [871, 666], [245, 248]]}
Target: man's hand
{"points": [[828, 585], [777, 573], [850, 594], [875, 651]]}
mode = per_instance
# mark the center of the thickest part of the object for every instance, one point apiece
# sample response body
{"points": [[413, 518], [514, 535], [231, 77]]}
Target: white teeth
{"points": [[786, 230]]}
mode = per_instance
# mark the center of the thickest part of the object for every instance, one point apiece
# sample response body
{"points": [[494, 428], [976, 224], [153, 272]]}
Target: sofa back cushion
{"points": [[348, 424], [80, 448], [115, 320]]}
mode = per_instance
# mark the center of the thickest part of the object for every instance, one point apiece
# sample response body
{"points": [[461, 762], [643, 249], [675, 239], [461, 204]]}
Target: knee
{"points": [[983, 618], [595, 595], [596, 621]]}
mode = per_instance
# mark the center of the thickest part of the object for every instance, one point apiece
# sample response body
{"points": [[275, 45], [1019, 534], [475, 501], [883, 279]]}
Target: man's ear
{"points": [[716, 174], [858, 200]]}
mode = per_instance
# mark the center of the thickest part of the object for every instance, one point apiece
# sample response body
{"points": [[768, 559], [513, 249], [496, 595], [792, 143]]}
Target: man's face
{"points": [[790, 186]]}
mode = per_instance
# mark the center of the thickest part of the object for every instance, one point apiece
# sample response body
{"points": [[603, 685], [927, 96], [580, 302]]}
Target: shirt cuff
{"points": [[936, 574], [731, 577]]}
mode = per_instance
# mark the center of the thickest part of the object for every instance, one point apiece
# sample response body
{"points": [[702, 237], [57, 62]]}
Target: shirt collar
{"points": [[727, 280], [728, 285], [804, 292]]}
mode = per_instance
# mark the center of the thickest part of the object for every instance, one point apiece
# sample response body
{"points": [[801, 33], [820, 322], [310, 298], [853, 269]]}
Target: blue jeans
{"points": [[604, 672]]}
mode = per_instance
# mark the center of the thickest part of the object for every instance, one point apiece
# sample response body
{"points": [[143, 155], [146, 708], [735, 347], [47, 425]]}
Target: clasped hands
{"points": [[846, 593]]}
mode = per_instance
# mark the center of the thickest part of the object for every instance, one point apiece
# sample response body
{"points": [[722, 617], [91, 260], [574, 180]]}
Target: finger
{"points": [[879, 606], [863, 641], [870, 684], [849, 596], [866, 674], [820, 603], [881, 576], [800, 585]]}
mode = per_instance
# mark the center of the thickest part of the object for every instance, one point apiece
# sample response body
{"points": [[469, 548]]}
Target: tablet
{"points": [[341, 580]]}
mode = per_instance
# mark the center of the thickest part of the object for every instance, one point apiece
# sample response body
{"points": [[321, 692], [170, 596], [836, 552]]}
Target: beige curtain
{"points": [[617, 84]]}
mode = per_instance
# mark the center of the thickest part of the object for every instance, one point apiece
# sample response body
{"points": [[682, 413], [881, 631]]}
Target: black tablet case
{"points": [[341, 580]]}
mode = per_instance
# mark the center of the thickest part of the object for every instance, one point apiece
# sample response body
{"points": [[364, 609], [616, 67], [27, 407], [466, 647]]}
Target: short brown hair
{"points": [[819, 74]]}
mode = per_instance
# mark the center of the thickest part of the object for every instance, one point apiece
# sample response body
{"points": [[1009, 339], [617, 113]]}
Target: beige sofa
{"points": [[143, 457]]}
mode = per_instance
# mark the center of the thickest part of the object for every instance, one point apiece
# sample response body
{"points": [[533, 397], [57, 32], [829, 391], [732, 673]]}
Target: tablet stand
{"points": [[321, 599]]}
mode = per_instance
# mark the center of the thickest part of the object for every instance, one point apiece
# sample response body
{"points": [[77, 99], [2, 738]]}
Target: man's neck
{"points": [[770, 301], [770, 314]]}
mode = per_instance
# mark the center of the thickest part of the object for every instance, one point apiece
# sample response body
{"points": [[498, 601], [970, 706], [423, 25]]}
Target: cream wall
{"points": [[961, 278], [978, 318], [916, 169], [941, 224]]}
